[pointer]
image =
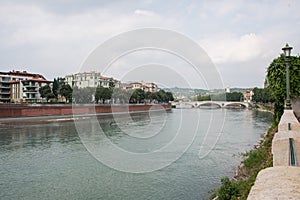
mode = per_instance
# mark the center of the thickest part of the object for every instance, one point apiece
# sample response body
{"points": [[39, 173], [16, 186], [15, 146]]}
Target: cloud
{"points": [[54, 37], [144, 12], [226, 47]]}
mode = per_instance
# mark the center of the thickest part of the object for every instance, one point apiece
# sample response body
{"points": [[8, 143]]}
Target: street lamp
{"points": [[287, 53]]}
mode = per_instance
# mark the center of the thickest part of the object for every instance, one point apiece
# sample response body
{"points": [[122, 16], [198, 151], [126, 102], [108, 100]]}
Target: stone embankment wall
{"points": [[282, 181], [50, 110]]}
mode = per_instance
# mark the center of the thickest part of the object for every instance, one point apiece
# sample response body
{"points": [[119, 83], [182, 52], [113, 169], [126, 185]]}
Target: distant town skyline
{"points": [[54, 38]]}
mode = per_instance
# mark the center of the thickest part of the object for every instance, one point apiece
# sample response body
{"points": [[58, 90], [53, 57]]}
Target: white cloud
{"points": [[40, 33], [231, 48], [144, 12]]}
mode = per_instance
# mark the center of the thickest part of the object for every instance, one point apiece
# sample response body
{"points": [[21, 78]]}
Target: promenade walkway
{"points": [[282, 181]]}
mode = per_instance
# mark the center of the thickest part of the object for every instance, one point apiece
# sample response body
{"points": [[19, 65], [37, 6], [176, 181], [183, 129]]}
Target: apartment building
{"points": [[21, 86], [90, 79], [146, 86], [83, 79], [108, 82]]}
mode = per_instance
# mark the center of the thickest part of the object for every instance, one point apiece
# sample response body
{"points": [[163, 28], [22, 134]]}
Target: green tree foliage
{"points": [[55, 88], [169, 97], [228, 190], [138, 96], [103, 94], [263, 95], [276, 76], [66, 90], [83, 95], [203, 98], [46, 92], [234, 96], [57, 84], [120, 95]]}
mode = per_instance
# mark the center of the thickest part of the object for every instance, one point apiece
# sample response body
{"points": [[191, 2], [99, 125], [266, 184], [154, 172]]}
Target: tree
{"points": [[102, 94], [138, 96], [120, 95], [276, 76], [66, 91], [169, 97], [83, 95], [57, 84], [263, 95], [234, 96], [46, 92], [55, 88]]}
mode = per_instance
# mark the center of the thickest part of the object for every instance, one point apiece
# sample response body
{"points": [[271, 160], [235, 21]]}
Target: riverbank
{"points": [[41, 110], [254, 161]]}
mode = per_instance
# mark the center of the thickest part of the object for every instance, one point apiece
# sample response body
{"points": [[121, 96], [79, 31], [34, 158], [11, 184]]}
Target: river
{"points": [[58, 160]]}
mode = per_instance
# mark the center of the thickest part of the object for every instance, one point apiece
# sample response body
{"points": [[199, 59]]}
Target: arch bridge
{"points": [[219, 104]]}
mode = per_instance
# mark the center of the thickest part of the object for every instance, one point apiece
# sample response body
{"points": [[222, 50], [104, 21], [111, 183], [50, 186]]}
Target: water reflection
{"points": [[49, 161]]}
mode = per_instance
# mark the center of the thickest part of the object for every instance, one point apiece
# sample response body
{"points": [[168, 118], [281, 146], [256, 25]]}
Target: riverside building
{"points": [[21, 87], [90, 79]]}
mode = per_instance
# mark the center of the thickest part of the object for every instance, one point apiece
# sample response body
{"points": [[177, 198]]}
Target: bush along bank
{"points": [[255, 160]]}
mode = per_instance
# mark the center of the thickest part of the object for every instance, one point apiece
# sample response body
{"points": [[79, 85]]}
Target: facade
{"points": [[228, 89], [107, 82], [4, 87], [248, 94], [90, 79], [21, 87], [83, 79], [266, 84], [146, 86]]}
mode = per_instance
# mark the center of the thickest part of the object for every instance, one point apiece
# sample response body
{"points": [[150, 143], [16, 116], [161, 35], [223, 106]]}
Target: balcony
{"points": [[30, 86], [30, 91], [5, 86], [5, 98], [5, 80], [5, 92]]}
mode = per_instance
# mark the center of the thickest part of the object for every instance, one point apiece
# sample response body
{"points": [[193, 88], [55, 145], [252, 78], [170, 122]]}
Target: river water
{"points": [[56, 160]]}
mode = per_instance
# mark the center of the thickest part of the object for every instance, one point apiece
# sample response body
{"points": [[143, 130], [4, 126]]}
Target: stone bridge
{"points": [[220, 104]]}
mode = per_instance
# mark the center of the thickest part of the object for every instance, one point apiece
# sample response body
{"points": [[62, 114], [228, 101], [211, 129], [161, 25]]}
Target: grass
{"points": [[254, 161]]}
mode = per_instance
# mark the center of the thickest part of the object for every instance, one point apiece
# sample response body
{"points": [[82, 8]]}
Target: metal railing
{"points": [[293, 159]]}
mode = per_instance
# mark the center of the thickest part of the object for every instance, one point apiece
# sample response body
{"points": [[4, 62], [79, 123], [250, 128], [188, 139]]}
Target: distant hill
{"points": [[180, 93]]}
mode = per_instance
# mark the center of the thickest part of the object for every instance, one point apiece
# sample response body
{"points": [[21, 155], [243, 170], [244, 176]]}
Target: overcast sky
{"points": [[55, 37]]}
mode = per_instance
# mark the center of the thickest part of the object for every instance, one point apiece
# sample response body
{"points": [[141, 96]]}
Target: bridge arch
{"points": [[209, 104], [236, 105]]}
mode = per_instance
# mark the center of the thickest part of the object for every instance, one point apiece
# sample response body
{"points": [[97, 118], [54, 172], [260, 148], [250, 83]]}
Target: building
{"points": [[83, 79], [107, 82], [90, 79], [266, 84], [248, 94], [21, 87], [228, 89], [145, 86]]}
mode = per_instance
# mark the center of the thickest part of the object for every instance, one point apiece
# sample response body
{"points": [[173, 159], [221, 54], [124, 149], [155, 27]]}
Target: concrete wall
{"points": [[288, 117], [281, 147], [281, 181], [296, 106], [276, 183]]}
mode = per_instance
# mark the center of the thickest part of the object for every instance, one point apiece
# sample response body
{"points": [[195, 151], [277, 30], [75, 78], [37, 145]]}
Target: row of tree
{"points": [[101, 94], [118, 95], [59, 88], [233, 96], [263, 95]]}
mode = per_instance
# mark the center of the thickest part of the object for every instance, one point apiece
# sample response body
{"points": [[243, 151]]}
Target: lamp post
{"points": [[287, 53]]}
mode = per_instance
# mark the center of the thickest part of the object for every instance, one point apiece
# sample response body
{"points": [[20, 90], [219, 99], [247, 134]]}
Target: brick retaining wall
{"points": [[48, 110]]}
